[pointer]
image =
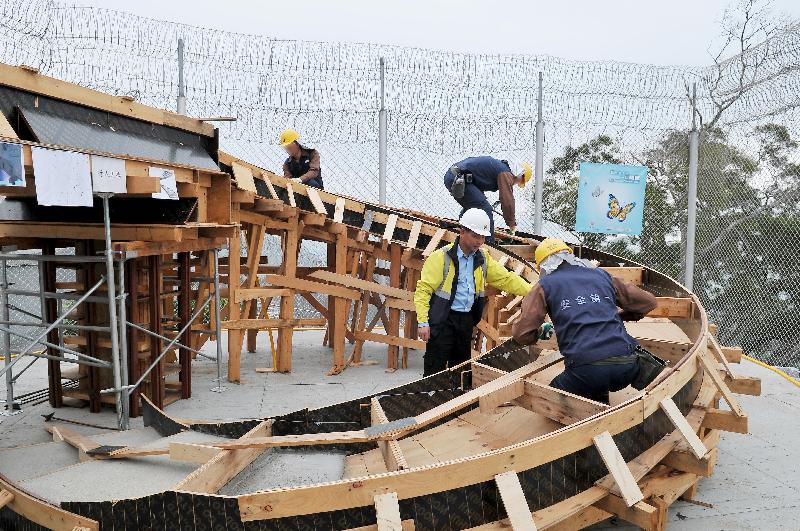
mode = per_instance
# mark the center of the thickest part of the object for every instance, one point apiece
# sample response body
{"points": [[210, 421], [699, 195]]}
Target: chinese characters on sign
{"points": [[108, 175]]}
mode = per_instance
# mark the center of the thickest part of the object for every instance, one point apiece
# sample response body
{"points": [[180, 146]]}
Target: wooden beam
{"points": [[679, 421], [413, 236], [316, 200], [640, 514], [392, 453], [193, 453], [338, 210], [626, 274], [42, 513], [244, 294], [310, 286], [30, 81], [74, 439], [713, 372], [387, 511], [263, 324], [5, 496], [744, 385], [513, 389], [225, 465], [407, 525], [519, 514], [716, 419], [561, 406], [433, 243], [390, 340], [363, 285], [688, 462], [678, 307], [618, 468]]}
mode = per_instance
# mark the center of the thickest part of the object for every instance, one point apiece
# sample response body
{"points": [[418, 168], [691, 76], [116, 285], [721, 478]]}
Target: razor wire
{"points": [[444, 106]]}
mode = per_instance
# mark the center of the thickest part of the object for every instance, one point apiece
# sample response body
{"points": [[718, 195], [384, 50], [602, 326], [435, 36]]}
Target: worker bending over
{"points": [[450, 294], [302, 165], [469, 180], [582, 301]]}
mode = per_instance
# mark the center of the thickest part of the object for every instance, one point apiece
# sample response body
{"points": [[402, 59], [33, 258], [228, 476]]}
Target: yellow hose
{"points": [[773, 369]]}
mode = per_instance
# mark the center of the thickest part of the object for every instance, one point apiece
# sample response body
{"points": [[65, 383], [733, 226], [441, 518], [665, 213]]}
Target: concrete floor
{"points": [[754, 486]]}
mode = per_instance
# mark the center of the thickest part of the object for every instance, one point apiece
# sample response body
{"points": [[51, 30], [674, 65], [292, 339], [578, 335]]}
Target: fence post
{"points": [[4, 314], [691, 217], [382, 142], [181, 89], [537, 220]]}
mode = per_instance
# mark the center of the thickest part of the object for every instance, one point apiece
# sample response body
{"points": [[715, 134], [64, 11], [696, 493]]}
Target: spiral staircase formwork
{"points": [[533, 457]]}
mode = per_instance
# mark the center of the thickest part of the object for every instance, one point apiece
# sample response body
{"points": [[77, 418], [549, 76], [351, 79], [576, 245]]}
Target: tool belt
{"points": [[460, 182], [650, 366]]}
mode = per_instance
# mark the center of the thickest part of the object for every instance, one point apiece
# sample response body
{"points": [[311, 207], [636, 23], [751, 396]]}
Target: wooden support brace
{"points": [[507, 393], [5, 498], [270, 187], [713, 372], [434, 243], [391, 223], [687, 462], [338, 210], [744, 385], [717, 419], [519, 514], [618, 468], [392, 454], [313, 195], [290, 191], [387, 511], [679, 421], [720, 355], [641, 514], [414, 235]]}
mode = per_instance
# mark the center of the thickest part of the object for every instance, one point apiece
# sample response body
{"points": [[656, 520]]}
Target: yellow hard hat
{"points": [[548, 247], [527, 172], [288, 136]]}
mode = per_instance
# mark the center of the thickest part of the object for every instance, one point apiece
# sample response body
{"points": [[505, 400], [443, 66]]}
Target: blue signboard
{"points": [[610, 198]]}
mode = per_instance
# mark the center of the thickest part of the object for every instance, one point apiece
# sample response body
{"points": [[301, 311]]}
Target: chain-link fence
{"points": [[442, 107]]}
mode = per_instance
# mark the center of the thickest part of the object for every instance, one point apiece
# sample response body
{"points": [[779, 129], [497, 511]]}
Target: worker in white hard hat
{"points": [[450, 294], [470, 179], [302, 165]]}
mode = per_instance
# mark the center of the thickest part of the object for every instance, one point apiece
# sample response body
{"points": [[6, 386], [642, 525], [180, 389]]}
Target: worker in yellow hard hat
{"points": [[582, 301], [469, 179], [302, 165]]}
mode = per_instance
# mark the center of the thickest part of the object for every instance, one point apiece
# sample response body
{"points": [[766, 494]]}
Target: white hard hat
{"points": [[477, 221]]}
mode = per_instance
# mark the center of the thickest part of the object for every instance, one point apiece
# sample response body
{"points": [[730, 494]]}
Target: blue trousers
{"points": [[595, 381], [473, 198]]}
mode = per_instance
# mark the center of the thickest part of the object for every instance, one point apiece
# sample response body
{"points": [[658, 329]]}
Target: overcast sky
{"points": [[673, 32]]}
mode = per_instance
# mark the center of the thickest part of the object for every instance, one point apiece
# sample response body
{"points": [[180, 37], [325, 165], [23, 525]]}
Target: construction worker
{"points": [[469, 179], [302, 165], [450, 294], [582, 301]]}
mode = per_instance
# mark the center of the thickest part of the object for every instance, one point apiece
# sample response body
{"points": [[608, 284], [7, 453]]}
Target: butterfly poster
{"points": [[610, 198]]}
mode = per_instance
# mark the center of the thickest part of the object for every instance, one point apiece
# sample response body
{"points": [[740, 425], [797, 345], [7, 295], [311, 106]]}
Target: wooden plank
{"points": [[720, 355], [5, 496], [24, 79], [387, 511], [245, 294], [519, 514], [390, 340], [717, 419], [560, 406], [640, 514], [225, 465], [193, 453], [489, 402], [6, 131], [413, 236], [338, 211], [76, 440], [313, 287], [744, 385], [618, 468], [263, 324], [400, 304], [633, 275], [388, 232], [407, 525], [268, 205], [270, 186], [290, 191], [42, 513], [244, 177], [434, 243], [392, 454], [679, 421], [713, 372], [313, 195], [688, 462], [678, 307], [363, 285]]}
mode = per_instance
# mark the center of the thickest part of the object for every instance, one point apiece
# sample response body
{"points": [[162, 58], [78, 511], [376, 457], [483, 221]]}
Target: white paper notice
{"points": [[108, 175], [62, 177], [169, 187]]}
